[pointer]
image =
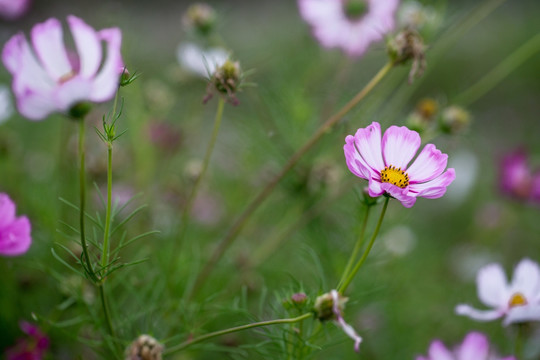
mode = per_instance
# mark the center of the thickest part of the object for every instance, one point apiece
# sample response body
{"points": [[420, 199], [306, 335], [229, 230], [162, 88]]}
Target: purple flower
{"points": [[518, 301], [351, 25], [15, 236], [475, 346], [385, 164], [32, 347], [517, 179], [13, 9], [48, 78]]}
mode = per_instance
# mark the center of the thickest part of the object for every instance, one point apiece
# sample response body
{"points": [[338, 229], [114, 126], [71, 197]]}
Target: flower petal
{"points": [[107, 80], [520, 314], [526, 279], [400, 194], [71, 92], [475, 346], [399, 145], [435, 188], [49, 45], [15, 239], [429, 164], [368, 144], [492, 286], [437, 351], [36, 105], [7, 210], [480, 315], [88, 46], [355, 162]]}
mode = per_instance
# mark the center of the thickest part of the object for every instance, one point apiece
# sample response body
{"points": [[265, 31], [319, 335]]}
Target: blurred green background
{"points": [[426, 258]]}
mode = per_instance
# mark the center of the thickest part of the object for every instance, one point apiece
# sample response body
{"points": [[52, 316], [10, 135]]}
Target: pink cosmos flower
{"points": [[32, 347], [351, 25], [48, 78], [15, 236], [518, 301], [385, 164], [517, 179], [13, 9], [475, 346]]}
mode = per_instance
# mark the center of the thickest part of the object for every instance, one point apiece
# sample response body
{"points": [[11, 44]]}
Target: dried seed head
{"points": [[226, 80], [408, 45], [144, 347]]}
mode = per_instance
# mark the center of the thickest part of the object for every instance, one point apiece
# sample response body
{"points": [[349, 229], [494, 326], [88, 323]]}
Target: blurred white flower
{"points": [[200, 61], [415, 15], [517, 301], [399, 240]]}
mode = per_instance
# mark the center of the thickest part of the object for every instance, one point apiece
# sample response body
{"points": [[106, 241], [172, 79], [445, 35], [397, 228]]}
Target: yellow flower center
{"points": [[396, 176], [517, 300]]}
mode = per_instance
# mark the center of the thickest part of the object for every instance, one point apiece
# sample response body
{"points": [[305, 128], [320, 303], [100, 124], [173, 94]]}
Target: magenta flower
{"points": [[32, 347], [352, 25], [13, 9], [475, 346], [385, 164], [15, 236], [48, 78], [518, 301], [517, 178]]}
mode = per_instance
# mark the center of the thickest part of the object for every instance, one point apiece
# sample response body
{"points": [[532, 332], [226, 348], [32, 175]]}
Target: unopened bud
{"points": [[144, 347], [80, 110], [324, 306], [201, 17], [408, 45], [454, 119]]}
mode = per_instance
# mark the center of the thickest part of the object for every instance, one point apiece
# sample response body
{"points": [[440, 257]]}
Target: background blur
{"points": [[426, 258]]}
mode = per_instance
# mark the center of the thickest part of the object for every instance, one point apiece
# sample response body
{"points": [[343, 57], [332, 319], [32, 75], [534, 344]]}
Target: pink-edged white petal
{"points": [[7, 210], [526, 279], [492, 286], [429, 164], [71, 92], [49, 46], [15, 239], [399, 194], [36, 105], [107, 80], [435, 188], [437, 351], [355, 162], [480, 315], [23, 65], [524, 313], [475, 346], [368, 145], [399, 145], [88, 46]]}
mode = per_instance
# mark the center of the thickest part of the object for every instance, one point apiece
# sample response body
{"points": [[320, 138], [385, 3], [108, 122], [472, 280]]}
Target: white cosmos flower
{"points": [[517, 301], [200, 61]]}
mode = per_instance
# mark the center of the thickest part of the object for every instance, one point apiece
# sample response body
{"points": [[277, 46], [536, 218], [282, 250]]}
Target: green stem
{"points": [[82, 195], [238, 225], [357, 247], [106, 231], [495, 76], [520, 340], [360, 262], [214, 334], [106, 311], [200, 176]]}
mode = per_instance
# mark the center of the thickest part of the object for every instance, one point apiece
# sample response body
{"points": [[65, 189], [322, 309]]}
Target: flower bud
{"points": [[201, 17], [408, 45], [144, 347], [422, 117], [226, 80], [324, 306], [454, 119], [80, 110]]}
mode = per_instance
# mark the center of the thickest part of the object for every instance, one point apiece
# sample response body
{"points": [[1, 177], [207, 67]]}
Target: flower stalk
{"points": [[238, 225], [214, 334], [360, 262]]}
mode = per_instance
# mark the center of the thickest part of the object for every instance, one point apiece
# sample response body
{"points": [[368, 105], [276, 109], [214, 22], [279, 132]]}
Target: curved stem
{"points": [[214, 334], [82, 201], [198, 180], [106, 231], [360, 262], [502, 70], [357, 247], [235, 229]]}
